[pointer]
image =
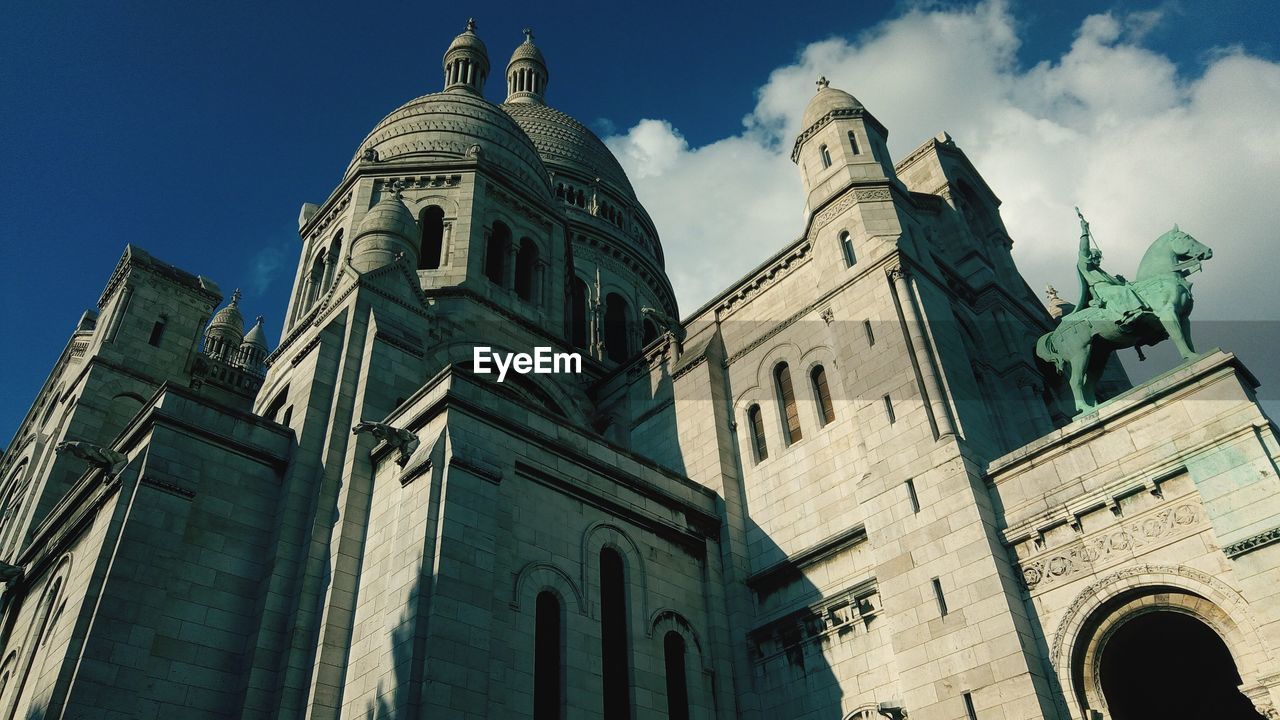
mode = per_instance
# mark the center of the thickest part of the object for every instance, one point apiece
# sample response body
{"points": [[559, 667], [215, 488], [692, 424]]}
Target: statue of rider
{"points": [[1098, 288]]}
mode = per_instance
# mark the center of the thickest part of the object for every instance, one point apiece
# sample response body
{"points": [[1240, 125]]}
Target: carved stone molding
{"points": [[848, 200], [1109, 546], [1249, 544]]}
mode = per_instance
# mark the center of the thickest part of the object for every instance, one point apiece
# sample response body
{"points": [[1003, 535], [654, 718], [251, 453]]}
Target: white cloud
{"points": [[1109, 125], [268, 265]]}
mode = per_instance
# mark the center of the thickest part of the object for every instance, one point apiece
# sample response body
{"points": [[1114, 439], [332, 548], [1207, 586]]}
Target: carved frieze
{"points": [[1110, 546]]}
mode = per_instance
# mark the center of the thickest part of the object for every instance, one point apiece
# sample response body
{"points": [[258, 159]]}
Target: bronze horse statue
{"points": [[1115, 314]]}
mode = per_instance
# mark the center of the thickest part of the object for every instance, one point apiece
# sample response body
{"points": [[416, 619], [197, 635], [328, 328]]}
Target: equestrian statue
{"points": [[1114, 313]]}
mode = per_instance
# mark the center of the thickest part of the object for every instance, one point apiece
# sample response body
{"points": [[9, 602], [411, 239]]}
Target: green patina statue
{"points": [[1114, 313]]}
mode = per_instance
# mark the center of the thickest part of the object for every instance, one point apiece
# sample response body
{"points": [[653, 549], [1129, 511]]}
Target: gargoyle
{"points": [[110, 462], [394, 437], [668, 325]]}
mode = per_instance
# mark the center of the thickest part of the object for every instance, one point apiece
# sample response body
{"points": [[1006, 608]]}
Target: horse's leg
{"points": [[1184, 321], [1174, 325], [1079, 365]]}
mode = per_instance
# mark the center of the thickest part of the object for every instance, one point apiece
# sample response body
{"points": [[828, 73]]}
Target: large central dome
{"points": [[564, 143], [450, 124]]}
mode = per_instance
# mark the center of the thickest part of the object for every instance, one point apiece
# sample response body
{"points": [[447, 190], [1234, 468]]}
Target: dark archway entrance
{"points": [[1167, 664]]}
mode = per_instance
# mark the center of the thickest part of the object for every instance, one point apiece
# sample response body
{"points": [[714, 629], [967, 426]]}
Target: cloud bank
{"points": [[1110, 125]]}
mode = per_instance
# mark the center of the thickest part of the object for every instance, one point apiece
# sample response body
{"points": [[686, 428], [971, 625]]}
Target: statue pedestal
{"points": [[1167, 495]]}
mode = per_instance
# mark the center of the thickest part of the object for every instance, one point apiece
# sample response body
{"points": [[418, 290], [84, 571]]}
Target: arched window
{"points": [[853, 143], [677, 682], [331, 261], [846, 248], [650, 332], [429, 252], [526, 269], [756, 422], [615, 328], [614, 656], [826, 156], [547, 662], [495, 256], [578, 330], [826, 412], [315, 280], [787, 403]]}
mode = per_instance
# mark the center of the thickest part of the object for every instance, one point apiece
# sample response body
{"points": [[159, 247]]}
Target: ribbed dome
{"points": [[468, 40], [389, 216], [447, 126], [565, 143], [826, 100], [228, 322], [527, 51]]}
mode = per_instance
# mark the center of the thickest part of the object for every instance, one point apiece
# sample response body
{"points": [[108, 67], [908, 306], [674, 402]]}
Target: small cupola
{"points": [[386, 231], [466, 62], [526, 73], [253, 348], [840, 142], [226, 329]]}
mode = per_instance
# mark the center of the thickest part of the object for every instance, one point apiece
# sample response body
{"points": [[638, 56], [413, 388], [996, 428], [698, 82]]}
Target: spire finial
{"points": [[528, 35], [235, 297], [823, 82], [258, 320], [471, 24]]}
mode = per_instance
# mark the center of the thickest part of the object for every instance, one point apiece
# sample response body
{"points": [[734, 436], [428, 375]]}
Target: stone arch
{"points": [[824, 356], [1102, 607], [602, 535], [866, 711], [536, 577], [697, 668]]}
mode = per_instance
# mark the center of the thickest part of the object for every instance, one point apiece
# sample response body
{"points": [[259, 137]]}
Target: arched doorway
{"points": [[1168, 664]]}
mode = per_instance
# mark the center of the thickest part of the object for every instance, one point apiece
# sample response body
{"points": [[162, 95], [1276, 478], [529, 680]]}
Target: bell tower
{"points": [[841, 143]]}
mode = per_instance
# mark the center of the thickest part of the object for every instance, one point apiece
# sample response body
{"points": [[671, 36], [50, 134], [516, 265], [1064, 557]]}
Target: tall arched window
{"points": [[853, 143], [495, 256], [526, 269], [157, 331], [615, 660], [547, 660], [432, 246], [578, 330], [846, 249], [756, 422], [615, 328], [650, 332], [677, 681], [331, 261], [826, 412], [826, 156], [315, 280], [787, 403]]}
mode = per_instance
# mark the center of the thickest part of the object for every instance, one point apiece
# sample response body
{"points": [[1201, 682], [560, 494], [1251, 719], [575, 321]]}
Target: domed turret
{"points": [[253, 348], [387, 230], [839, 142], [526, 73], [222, 337], [466, 62]]}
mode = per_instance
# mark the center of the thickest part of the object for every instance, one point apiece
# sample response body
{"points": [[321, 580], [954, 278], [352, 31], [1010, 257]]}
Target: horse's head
{"points": [[1186, 249]]}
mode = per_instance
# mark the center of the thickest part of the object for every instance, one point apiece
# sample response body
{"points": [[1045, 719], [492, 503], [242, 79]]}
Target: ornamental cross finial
{"points": [[823, 82], [235, 297], [528, 35], [471, 24], [258, 320]]}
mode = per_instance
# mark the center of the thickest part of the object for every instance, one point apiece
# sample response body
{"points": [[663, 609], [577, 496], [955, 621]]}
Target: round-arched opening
{"points": [[616, 347], [1166, 664], [431, 248]]}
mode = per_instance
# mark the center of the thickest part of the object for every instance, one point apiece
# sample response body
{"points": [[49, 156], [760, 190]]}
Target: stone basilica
{"points": [[843, 489]]}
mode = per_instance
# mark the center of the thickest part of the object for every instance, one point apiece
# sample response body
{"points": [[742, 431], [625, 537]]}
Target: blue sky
{"points": [[197, 132]]}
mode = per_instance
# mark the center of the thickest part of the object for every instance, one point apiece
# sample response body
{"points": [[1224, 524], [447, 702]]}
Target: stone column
{"points": [[921, 352]]}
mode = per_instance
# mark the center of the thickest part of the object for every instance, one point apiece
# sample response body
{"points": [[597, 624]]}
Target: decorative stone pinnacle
{"points": [[528, 35], [1051, 293], [471, 24], [235, 297], [258, 320], [823, 82]]}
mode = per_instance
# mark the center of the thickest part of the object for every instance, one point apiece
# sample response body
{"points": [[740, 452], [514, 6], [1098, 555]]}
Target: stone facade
{"points": [[844, 488]]}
